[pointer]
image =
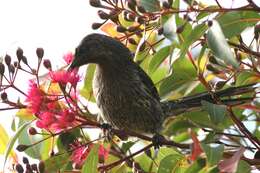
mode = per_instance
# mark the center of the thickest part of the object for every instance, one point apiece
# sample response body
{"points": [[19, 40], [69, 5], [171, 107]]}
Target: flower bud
{"points": [[24, 60], [32, 131], [47, 64], [41, 167], [19, 168], [96, 25], [34, 167], [11, 68], [257, 155], [142, 47], [141, 9], [180, 29], [22, 148], [103, 15], [19, 54], [4, 96], [140, 20], [121, 29], [220, 84], [2, 68], [95, 3], [166, 5], [40, 52], [7, 60], [210, 23], [132, 41], [25, 160], [160, 31]]}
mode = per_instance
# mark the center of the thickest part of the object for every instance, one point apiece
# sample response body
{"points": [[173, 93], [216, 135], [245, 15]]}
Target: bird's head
{"points": [[99, 49]]}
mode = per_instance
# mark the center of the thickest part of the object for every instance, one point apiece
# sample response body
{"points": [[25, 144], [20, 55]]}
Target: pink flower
{"points": [[35, 97], [68, 57], [45, 120], [81, 152], [65, 77]]}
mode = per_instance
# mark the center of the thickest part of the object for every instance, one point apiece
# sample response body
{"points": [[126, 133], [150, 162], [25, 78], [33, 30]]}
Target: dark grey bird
{"points": [[126, 95]]}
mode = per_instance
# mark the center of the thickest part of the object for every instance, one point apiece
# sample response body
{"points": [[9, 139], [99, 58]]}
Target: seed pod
{"points": [[103, 15], [19, 54], [96, 25], [32, 131], [24, 60], [166, 5], [19, 168], [7, 60], [4, 96], [11, 68], [25, 160], [132, 28], [121, 29], [210, 23], [141, 9], [131, 4], [180, 29], [47, 64], [34, 167], [2, 68], [21, 147], [257, 155], [220, 84], [40, 52], [95, 3]]}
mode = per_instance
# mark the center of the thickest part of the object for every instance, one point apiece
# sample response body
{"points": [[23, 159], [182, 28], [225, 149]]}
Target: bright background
{"points": [[55, 25]]}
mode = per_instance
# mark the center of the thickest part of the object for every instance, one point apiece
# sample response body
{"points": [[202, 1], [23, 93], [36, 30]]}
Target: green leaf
{"points": [[127, 145], [183, 75], [91, 162], [171, 163], [150, 5], [13, 140], [196, 166], [87, 90], [218, 44], [234, 22], [194, 35], [216, 112], [56, 163], [214, 154], [159, 57], [243, 167]]}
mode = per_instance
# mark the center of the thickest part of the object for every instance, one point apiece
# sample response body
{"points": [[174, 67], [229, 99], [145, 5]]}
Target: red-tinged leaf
{"points": [[230, 165], [254, 108], [110, 29], [196, 148]]}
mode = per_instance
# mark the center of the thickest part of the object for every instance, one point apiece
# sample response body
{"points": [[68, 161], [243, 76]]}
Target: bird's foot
{"points": [[107, 131], [157, 141]]}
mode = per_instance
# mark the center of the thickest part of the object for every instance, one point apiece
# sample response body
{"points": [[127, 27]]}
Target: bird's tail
{"points": [[227, 96]]}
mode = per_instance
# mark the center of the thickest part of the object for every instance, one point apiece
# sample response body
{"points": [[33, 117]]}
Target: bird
{"points": [[125, 94]]}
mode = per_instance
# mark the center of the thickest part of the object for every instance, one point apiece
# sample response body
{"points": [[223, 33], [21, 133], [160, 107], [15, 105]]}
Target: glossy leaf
{"points": [[13, 140], [150, 5], [216, 112], [159, 57], [56, 163], [218, 44], [91, 161], [194, 35], [234, 22], [214, 154], [171, 163]]}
